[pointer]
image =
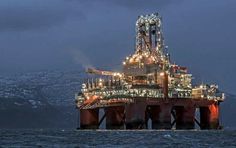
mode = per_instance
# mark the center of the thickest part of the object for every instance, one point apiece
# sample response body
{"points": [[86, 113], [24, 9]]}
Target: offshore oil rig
{"points": [[149, 90]]}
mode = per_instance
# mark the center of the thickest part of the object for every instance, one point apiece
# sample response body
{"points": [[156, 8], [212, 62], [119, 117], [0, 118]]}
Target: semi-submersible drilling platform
{"points": [[149, 91]]}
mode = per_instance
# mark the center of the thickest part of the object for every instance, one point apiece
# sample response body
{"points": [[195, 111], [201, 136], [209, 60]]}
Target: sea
{"points": [[117, 138]]}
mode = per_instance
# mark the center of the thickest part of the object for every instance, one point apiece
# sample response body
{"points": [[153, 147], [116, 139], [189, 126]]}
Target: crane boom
{"points": [[101, 72]]}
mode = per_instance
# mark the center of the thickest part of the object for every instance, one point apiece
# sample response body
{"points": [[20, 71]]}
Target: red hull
{"points": [[164, 114]]}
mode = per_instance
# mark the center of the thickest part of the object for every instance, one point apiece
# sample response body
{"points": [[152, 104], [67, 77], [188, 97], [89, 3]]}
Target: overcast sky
{"points": [[66, 34]]}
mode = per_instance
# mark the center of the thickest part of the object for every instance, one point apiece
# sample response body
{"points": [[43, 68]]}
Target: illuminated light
{"points": [[124, 63], [223, 95], [162, 74], [83, 85], [100, 84], [131, 60]]}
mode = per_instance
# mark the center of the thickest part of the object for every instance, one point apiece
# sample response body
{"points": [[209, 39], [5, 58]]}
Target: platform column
{"points": [[115, 117], [214, 116], [209, 116], [135, 115], [89, 118], [185, 117], [164, 117]]}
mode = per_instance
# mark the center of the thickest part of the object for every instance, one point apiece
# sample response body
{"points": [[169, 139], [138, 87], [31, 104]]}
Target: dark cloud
{"points": [[141, 4], [26, 15], [133, 4]]}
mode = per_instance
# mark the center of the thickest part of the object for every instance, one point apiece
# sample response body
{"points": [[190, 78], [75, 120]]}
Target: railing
{"points": [[137, 92], [142, 93]]}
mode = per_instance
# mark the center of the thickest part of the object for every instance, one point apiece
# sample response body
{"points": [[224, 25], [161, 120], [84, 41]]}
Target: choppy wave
{"points": [[116, 138]]}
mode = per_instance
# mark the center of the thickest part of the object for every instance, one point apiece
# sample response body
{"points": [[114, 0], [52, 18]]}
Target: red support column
{"points": [[209, 116], [185, 117], [189, 117], [135, 115], [214, 116], [164, 117], [179, 116], [89, 118], [115, 117]]}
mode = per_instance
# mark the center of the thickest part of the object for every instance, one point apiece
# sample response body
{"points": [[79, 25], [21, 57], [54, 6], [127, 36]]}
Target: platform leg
{"points": [[89, 118], [135, 115], [115, 117]]}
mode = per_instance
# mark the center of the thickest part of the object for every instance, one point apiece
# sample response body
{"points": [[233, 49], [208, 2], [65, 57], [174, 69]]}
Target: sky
{"points": [[72, 34]]}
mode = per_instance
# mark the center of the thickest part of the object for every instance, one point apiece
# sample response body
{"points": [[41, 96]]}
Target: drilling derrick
{"points": [[149, 87]]}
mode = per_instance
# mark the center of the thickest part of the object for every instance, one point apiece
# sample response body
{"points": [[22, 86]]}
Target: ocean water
{"points": [[116, 139]]}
